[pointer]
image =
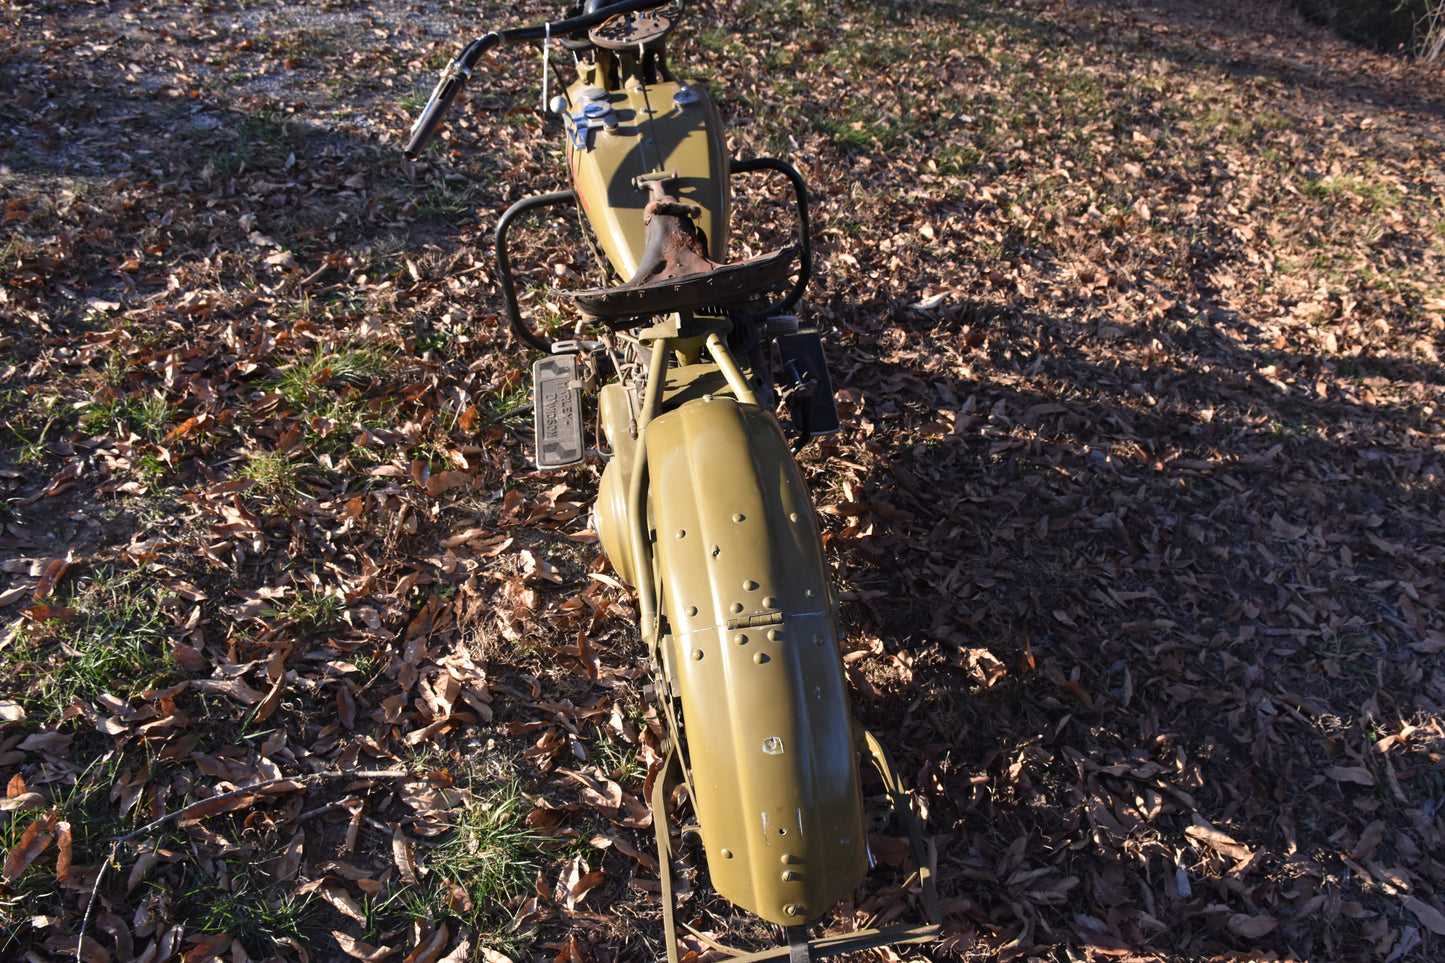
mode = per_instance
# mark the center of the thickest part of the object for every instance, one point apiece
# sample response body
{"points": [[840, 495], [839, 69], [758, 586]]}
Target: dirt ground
{"points": [[1135, 314]]}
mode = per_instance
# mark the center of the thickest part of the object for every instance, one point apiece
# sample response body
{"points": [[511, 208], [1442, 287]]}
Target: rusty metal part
{"points": [[632, 29], [654, 134], [675, 272], [674, 248]]}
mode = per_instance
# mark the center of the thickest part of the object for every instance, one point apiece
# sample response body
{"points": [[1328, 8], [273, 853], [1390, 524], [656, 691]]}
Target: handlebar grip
{"points": [[426, 125], [453, 79]]}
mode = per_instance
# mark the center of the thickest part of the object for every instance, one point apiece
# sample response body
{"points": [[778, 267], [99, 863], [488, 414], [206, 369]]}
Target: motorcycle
{"points": [[701, 508]]}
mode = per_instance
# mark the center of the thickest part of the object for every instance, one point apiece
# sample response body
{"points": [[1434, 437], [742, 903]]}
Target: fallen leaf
{"points": [[1221, 842], [447, 480], [36, 838], [1429, 917], [1369, 841], [143, 865], [888, 850], [231, 688], [47, 743], [401, 854], [218, 804], [63, 851], [357, 949], [1355, 774], [289, 864], [462, 952], [430, 949], [1252, 927]]}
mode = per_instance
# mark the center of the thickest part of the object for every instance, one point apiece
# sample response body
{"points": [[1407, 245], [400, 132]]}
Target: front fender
{"points": [[751, 651]]}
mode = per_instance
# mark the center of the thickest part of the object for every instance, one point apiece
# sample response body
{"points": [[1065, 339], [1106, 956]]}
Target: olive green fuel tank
{"points": [[753, 655], [630, 129]]}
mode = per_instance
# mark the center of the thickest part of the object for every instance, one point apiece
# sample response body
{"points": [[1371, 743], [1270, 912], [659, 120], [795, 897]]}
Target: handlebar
{"points": [[453, 79], [459, 71]]}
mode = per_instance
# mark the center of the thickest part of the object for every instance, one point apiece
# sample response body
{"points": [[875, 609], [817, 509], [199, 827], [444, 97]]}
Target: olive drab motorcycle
{"points": [[701, 507]]}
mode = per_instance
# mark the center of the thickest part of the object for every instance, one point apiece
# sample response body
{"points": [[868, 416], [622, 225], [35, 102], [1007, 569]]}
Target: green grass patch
{"points": [[488, 858], [30, 442], [492, 853], [499, 405], [315, 609], [329, 389], [720, 41], [273, 472], [619, 759], [267, 133], [307, 383], [253, 910], [1373, 194], [112, 636], [144, 414], [451, 203]]}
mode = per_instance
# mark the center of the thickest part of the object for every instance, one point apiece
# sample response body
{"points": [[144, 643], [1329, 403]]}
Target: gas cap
{"points": [[685, 97]]}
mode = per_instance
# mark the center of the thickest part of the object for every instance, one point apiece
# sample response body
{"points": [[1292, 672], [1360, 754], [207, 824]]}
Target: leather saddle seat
{"points": [[676, 274]]}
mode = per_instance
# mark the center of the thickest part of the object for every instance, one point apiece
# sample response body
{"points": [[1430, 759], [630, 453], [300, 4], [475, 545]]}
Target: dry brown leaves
{"points": [[1136, 316]]}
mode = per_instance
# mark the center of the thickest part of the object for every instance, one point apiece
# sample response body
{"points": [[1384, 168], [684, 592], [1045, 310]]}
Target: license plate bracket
{"points": [[802, 353]]}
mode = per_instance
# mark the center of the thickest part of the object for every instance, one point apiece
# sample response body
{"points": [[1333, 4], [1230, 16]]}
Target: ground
{"points": [[1134, 311]]}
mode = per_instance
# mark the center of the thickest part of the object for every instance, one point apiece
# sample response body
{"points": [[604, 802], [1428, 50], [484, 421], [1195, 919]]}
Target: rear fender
{"points": [[751, 651]]}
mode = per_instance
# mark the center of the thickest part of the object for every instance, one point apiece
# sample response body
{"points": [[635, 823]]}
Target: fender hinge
{"points": [[753, 621]]}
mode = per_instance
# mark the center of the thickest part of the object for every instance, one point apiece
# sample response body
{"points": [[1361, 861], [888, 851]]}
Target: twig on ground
{"points": [[260, 788], [90, 902]]}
